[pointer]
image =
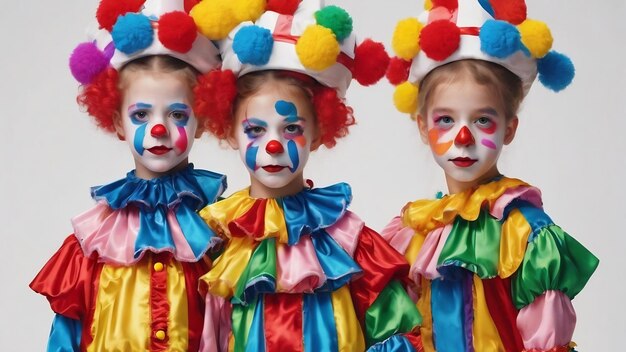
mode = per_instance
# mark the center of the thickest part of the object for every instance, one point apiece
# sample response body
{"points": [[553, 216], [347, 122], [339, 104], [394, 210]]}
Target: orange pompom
{"points": [[370, 62], [398, 70], [214, 94], [109, 10]]}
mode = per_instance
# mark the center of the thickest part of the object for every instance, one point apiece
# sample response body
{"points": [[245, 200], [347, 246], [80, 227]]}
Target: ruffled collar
{"points": [[287, 218], [134, 216], [427, 215], [196, 187]]}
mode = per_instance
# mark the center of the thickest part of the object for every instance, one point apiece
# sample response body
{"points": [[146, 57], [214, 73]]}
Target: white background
{"points": [[572, 145]]}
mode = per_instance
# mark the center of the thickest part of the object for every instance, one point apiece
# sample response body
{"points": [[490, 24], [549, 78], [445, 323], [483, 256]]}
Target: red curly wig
{"points": [[220, 94], [102, 97]]}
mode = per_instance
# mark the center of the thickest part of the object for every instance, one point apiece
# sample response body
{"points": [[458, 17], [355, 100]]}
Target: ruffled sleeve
{"points": [[380, 301], [66, 280]]}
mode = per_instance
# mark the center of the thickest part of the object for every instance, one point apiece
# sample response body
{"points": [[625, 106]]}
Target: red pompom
{"points": [[109, 10], [177, 31], [398, 70], [513, 11], [214, 95], [101, 98], [449, 4], [370, 62], [284, 7], [440, 39], [332, 115]]}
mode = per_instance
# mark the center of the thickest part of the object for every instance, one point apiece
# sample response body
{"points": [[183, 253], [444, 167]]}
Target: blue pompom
{"points": [[132, 32], [499, 39], [253, 45], [556, 71]]}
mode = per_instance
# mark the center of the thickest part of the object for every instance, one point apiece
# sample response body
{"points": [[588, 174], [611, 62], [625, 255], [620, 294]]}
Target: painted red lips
{"points": [[159, 150], [463, 162], [273, 168]]}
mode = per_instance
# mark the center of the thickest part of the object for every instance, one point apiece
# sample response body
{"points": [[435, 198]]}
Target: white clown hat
{"points": [[303, 36], [497, 31], [131, 29]]}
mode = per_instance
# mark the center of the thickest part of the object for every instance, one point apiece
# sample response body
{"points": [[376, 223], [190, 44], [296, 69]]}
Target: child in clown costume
{"points": [[492, 272], [298, 272], [127, 279]]}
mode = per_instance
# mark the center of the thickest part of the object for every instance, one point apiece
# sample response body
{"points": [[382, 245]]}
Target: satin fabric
{"points": [[64, 335], [547, 322]]}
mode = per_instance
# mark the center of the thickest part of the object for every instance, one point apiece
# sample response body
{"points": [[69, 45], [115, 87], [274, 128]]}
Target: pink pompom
{"points": [[86, 62], [177, 31], [370, 62]]}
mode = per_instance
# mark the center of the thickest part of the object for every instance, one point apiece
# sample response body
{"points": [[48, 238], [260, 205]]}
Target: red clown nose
{"points": [[464, 137], [158, 131], [274, 147]]}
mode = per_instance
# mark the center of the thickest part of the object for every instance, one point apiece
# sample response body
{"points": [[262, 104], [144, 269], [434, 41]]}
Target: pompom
{"points": [[536, 37], [513, 11], [248, 10], [336, 19], [370, 62], [499, 39], [439, 39], [448, 4], [284, 7], [101, 98], [86, 62], [398, 70], [333, 116], [428, 5], [556, 71], [214, 19], [253, 45], [406, 38], [189, 4], [110, 10], [214, 95], [177, 31], [132, 33], [317, 48], [405, 98]]}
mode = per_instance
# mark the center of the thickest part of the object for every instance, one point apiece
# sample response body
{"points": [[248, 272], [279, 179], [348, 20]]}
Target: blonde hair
{"points": [[506, 85]]}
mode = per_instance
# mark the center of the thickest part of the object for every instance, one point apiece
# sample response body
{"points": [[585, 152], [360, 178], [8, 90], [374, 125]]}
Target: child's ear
{"points": [[317, 140], [119, 126], [200, 130], [511, 128], [232, 140], [421, 124]]}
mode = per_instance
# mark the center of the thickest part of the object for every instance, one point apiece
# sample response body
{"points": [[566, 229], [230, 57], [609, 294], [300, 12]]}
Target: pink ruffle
{"points": [[217, 325], [346, 231], [112, 234], [529, 194], [298, 269], [547, 322], [397, 235], [426, 262]]}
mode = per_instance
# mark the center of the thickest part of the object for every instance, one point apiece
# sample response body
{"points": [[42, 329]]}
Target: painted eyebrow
{"points": [[254, 121], [294, 118], [178, 106], [488, 111], [139, 106]]}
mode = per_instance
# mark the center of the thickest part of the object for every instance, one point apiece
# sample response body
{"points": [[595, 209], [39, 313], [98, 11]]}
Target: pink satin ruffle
{"points": [[397, 235], [529, 194], [547, 322], [217, 324], [112, 234], [426, 262]]}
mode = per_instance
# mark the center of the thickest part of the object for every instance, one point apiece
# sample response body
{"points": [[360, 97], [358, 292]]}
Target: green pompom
{"points": [[336, 19]]}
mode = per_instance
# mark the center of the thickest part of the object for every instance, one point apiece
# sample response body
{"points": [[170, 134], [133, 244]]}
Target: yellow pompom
{"points": [[317, 48], [405, 42], [214, 18], [428, 4], [536, 37], [248, 10], [405, 98]]}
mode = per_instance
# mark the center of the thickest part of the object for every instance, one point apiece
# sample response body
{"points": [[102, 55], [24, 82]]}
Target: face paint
{"points": [[461, 114], [273, 136], [158, 100]]}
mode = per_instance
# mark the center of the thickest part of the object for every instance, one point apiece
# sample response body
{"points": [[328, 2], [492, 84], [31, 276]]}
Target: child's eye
{"points": [[294, 130], [484, 122], [140, 116], [254, 131], [179, 115], [444, 121]]}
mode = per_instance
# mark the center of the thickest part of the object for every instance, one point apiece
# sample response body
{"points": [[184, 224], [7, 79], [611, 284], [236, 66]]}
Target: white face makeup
{"points": [[273, 131], [157, 121], [466, 129]]}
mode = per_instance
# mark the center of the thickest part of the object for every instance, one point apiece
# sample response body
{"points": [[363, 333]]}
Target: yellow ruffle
{"points": [[219, 215], [426, 215]]}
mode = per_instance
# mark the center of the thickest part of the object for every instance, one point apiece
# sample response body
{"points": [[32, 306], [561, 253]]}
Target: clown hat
{"points": [[296, 35], [497, 31], [131, 29]]}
